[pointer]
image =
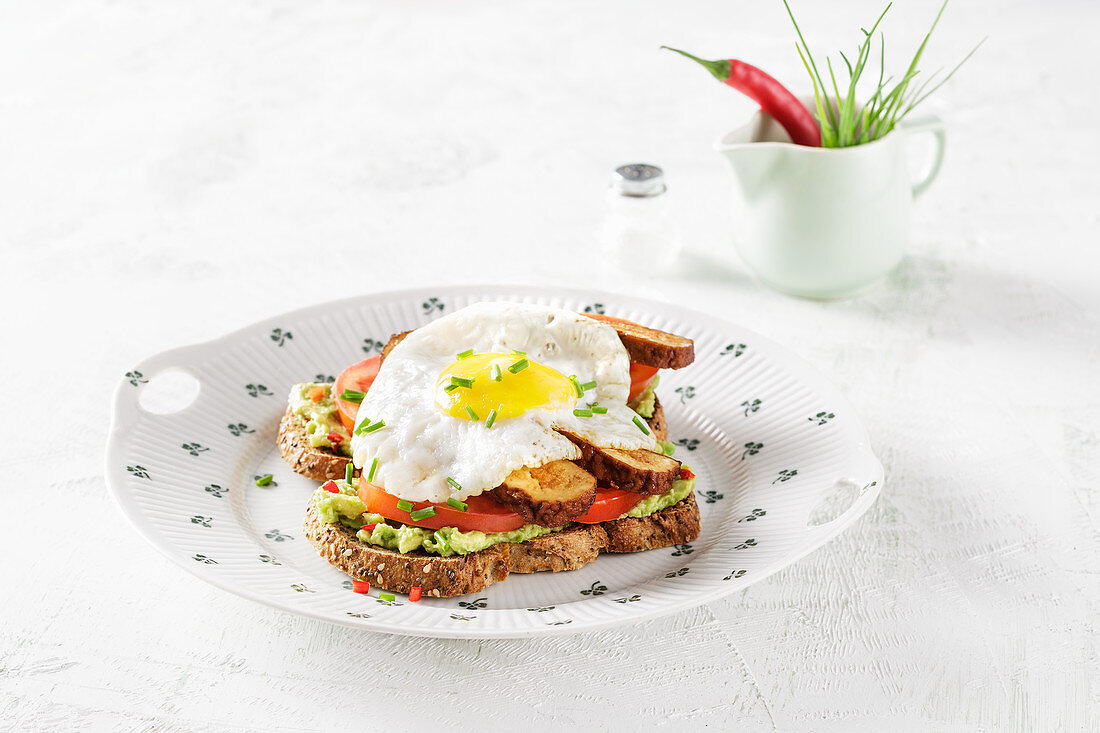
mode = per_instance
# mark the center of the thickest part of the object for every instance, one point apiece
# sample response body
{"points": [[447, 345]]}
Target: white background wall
{"points": [[172, 171]]}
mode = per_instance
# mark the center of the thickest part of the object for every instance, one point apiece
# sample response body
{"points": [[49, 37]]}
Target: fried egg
{"points": [[463, 401]]}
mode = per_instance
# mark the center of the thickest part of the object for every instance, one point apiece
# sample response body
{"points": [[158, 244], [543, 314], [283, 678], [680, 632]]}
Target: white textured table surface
{"points": [[174, 171]]}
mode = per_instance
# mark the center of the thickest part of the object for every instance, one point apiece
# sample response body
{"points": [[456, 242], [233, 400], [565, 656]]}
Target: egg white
{"points": [[422, 446]]}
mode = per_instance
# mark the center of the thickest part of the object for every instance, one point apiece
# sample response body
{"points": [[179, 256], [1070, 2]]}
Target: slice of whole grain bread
{"points": [[319, 464], [457, 575]]}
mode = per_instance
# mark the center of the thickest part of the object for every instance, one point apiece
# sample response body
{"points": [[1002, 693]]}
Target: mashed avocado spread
{"points": [[645, 403], [321, 417], [347, 508]]}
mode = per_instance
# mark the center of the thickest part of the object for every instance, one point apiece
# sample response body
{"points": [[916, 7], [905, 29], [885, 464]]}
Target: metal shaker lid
{"points": [[638, 179]]}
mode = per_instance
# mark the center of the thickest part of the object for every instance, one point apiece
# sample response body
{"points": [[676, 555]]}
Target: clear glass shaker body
{"points": [[638, 229]]}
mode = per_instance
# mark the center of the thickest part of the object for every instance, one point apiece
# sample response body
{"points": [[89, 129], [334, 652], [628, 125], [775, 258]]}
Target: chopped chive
{"points": [[366, 428], [496, 373], [599, 410], [589, 385], [517, 352], [404, 505], [454, 483], [349, 472], [450, 388], [471, 413], [583, 413], [576, 385], [373, 470], [441, 540], [455, 503], [264, 480], [352, 395], [519, 366], [492, 418], [641, 424], [462, 382], [387, 596], [464, 355], [428, 511]]}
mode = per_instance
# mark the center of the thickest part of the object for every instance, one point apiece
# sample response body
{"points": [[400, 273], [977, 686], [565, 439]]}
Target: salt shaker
{"points": [[638, 230]]}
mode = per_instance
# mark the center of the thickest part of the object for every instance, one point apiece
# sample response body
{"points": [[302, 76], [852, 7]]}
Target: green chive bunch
{"points": [[845, 123]]}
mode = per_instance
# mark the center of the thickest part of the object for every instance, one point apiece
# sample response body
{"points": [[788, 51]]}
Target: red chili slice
{"points": [[360, 586], [686, 474], [330, 486], [335, 438], [414, 593]]}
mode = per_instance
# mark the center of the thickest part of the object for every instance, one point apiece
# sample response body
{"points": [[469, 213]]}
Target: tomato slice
{"points": [[483, 514], [359, 377], [609, 504], [640, 377]]}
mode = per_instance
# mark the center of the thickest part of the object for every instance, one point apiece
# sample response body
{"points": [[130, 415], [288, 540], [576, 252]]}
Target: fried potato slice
{"points": [[640, 471], [549, 495]]}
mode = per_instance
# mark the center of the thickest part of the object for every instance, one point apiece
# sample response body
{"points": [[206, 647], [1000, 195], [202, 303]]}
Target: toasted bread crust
{"points": [[436, 576], [549, 495], [566, 550], [640, 471], [395, 339], [657, 423], [395, 571], [319, 464], [672, 526]]}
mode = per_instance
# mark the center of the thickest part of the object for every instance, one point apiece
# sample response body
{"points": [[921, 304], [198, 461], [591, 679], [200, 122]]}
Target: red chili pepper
{"points": [[414, 593], [330, 486], [686, 474], [360, 586], [368, 527], [335, 438], [773, 97], [315, 394]]}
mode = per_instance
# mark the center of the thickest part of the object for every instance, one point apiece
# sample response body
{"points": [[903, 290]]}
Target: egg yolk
{"points": [[473, 387]]}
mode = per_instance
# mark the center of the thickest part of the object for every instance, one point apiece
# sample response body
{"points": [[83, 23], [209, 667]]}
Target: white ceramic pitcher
{"points": [[823, 222]]}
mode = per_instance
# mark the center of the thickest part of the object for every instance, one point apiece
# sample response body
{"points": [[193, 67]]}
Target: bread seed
{"points": [[381, 566], [349, 552], [428, 568]]}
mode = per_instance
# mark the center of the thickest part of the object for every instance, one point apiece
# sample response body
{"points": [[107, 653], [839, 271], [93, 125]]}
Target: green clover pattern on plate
{"points": [[138, 471], [280, 337], [136, 378]]}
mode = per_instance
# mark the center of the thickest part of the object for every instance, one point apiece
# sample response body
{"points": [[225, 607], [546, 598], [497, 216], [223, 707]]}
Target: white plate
{"points": [[783, 465]]}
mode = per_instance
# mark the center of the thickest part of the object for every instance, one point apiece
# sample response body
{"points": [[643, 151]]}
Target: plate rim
{"points": [[169, 358]]}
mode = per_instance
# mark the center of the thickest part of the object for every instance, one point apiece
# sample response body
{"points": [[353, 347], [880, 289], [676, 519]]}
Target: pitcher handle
{"points": [[934, 125]]}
